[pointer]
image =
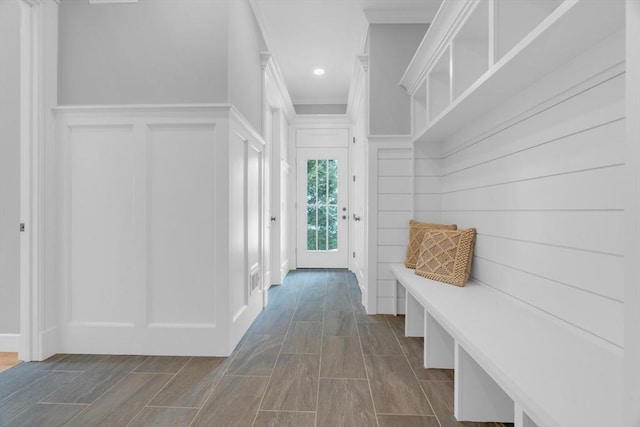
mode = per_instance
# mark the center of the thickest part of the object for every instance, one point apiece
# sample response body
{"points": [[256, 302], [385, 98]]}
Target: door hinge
{"points": [[354, 178], [22, 227], [354, 254], [354, 139]]}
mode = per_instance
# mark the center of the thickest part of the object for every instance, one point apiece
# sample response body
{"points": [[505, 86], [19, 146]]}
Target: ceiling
{"points": [[306, 34]]}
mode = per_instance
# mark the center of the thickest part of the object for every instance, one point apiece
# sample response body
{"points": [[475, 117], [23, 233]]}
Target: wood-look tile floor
{"points": [[312, 358]]}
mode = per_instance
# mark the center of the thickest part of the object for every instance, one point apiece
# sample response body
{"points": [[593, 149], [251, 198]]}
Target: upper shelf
{"points": [[496, 50]]}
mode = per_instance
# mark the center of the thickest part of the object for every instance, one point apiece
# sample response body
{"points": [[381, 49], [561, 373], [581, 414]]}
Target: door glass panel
{"points": [[322, 205]]}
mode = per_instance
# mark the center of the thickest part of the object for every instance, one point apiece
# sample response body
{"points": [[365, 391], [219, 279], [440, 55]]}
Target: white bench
{"points": [[513, 363]]}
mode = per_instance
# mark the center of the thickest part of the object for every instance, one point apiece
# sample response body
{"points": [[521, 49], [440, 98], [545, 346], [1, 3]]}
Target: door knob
{"points": [[273, 218], [356, 217]]}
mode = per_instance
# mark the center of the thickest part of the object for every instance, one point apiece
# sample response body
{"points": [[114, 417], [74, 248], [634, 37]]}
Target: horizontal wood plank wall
{"points": [[395, 208], [544, 188]]}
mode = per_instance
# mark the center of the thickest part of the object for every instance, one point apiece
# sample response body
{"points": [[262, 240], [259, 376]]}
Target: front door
{"points": [[323, 212]]}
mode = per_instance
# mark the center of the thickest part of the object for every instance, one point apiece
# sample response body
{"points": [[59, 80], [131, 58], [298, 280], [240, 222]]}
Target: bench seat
{"points": [[555, 374]]}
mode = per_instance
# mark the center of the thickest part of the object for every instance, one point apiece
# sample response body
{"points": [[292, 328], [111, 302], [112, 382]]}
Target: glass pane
{"points": [[322, 181], [322, 228], [332, 244], [311, 228], [322, 205], [311, 182], [333, 181]]}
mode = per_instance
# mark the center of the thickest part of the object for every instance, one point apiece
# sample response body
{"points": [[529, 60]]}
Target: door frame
{"points": [[308, 121], [324, 259], [38, 95]]}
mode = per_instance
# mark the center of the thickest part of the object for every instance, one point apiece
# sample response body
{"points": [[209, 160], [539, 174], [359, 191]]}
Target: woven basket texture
{"points": [[445, 255], [417, 231]]}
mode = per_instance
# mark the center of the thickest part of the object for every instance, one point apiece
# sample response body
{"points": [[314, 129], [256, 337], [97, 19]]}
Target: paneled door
{"points": [[322, 208]]}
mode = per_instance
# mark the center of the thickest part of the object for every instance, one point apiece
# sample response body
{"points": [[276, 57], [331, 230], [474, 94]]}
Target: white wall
{"points": [[320, 108], [9, 169], [542, 178], [149, 52], [391, 47], [245, 71]]}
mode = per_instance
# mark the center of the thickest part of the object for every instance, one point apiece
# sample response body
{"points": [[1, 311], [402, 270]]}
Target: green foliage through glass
{"points": [[322, 205]]}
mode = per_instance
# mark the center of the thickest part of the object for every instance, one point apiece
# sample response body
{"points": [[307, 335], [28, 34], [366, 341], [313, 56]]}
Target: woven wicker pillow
{"points": [[416, 235], [445, 255]]}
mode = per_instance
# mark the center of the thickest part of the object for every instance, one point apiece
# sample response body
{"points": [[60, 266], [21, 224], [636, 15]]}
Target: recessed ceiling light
{"points": [[318, 71]]}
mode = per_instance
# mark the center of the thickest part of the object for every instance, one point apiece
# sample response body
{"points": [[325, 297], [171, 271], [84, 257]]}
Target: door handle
{"points": [[273, 219], [356, 217]]}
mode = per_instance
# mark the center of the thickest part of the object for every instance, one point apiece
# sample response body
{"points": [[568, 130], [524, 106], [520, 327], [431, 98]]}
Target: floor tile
{"points": [[23, 399], [257, 356], [162, 364], [49, 415], [285, 419], [397, 325], [407, 421], [311, 311], [339, 323], [19, 377], [303, 337], [121, 404], [440, 394], [234, 402], [77, 362], [294, 383], [363, 317], [273, 322], [338, 302], [413, 348], [164, 417], [342, 358], [345, 403], [378, 339], [92, 383], [191, 386], [394, 388]]}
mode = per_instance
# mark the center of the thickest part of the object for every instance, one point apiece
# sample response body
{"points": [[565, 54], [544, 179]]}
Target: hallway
{"points": [[312, 358]]}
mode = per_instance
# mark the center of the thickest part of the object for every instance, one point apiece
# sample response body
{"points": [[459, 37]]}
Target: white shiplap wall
{"points": [[394, 209], [541, 178]]}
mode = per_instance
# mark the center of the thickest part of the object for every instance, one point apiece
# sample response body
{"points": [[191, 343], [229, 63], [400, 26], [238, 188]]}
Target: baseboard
{"points": [[9, 343]]}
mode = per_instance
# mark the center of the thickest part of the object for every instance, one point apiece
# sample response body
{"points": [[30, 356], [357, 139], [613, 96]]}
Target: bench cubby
{"points": [[512, 362]]}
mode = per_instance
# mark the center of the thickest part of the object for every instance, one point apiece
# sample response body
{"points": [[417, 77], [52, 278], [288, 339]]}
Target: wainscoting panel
{"points": [[103, 203], [145, 229], [181, 213]]}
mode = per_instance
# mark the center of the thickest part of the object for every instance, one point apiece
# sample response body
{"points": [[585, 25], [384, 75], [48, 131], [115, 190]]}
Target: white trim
{"points": [[10, 343], [413, 15], [38, 93], [274, 75], [325, 121]]}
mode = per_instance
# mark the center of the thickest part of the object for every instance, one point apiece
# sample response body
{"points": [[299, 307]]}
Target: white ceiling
{"points": [[307, 34]]}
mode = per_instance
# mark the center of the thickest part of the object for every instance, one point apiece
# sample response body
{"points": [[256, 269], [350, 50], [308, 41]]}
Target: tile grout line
{"points": [[106, 391], [414, 372], [324, 312], [364, 362], [159, 391], [266, 388]]}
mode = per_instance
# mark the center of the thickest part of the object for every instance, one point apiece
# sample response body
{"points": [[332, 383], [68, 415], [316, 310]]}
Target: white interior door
{"points": [[323, 211]]}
